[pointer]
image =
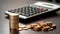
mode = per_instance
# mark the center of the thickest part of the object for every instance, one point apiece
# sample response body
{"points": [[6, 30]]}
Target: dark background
{"points": [[9, 4]]}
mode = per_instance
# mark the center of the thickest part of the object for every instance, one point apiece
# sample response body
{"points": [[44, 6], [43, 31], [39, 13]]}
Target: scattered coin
{"points": [[20, 29], [50, 29], [22, 26], [45, 28], [49, 23], [37, 28], [28, 26], [42, 26], [32, 25], [54, 26]]}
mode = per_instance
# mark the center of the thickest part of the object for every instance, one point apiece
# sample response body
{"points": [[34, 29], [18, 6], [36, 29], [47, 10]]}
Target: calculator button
{"points": [[31, 8], [46, 9], [9, 10], [13, 11], [38, 10], [19, 9], [25, 9], [22, 9]]}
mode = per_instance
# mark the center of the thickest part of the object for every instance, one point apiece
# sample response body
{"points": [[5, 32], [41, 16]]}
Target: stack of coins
{"points": [[14, 21]]}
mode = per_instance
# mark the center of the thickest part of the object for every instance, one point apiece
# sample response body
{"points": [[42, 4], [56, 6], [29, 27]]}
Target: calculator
{"points": [[33, 10]]}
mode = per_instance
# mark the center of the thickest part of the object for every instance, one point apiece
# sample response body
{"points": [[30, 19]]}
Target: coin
{"points": [[20, 29], [28, 26], [22, 26], [45, 28], [54, 26], [32, 25], [49, 23], [37, 28], [50, 29]]}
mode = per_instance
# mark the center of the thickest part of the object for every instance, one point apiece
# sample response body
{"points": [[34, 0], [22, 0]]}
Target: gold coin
{"points": [[28, 26], [25, 28], [45, 28], [32, 25], [50, 29], [49, 23], [20, 29], [37, 28], [54, 26], [22, 26]]}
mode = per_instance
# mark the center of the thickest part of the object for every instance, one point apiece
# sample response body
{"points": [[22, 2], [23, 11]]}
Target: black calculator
{"points": [[34, 9]]}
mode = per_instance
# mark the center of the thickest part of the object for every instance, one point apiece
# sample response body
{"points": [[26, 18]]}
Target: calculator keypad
{"points": [[29, 10]]}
